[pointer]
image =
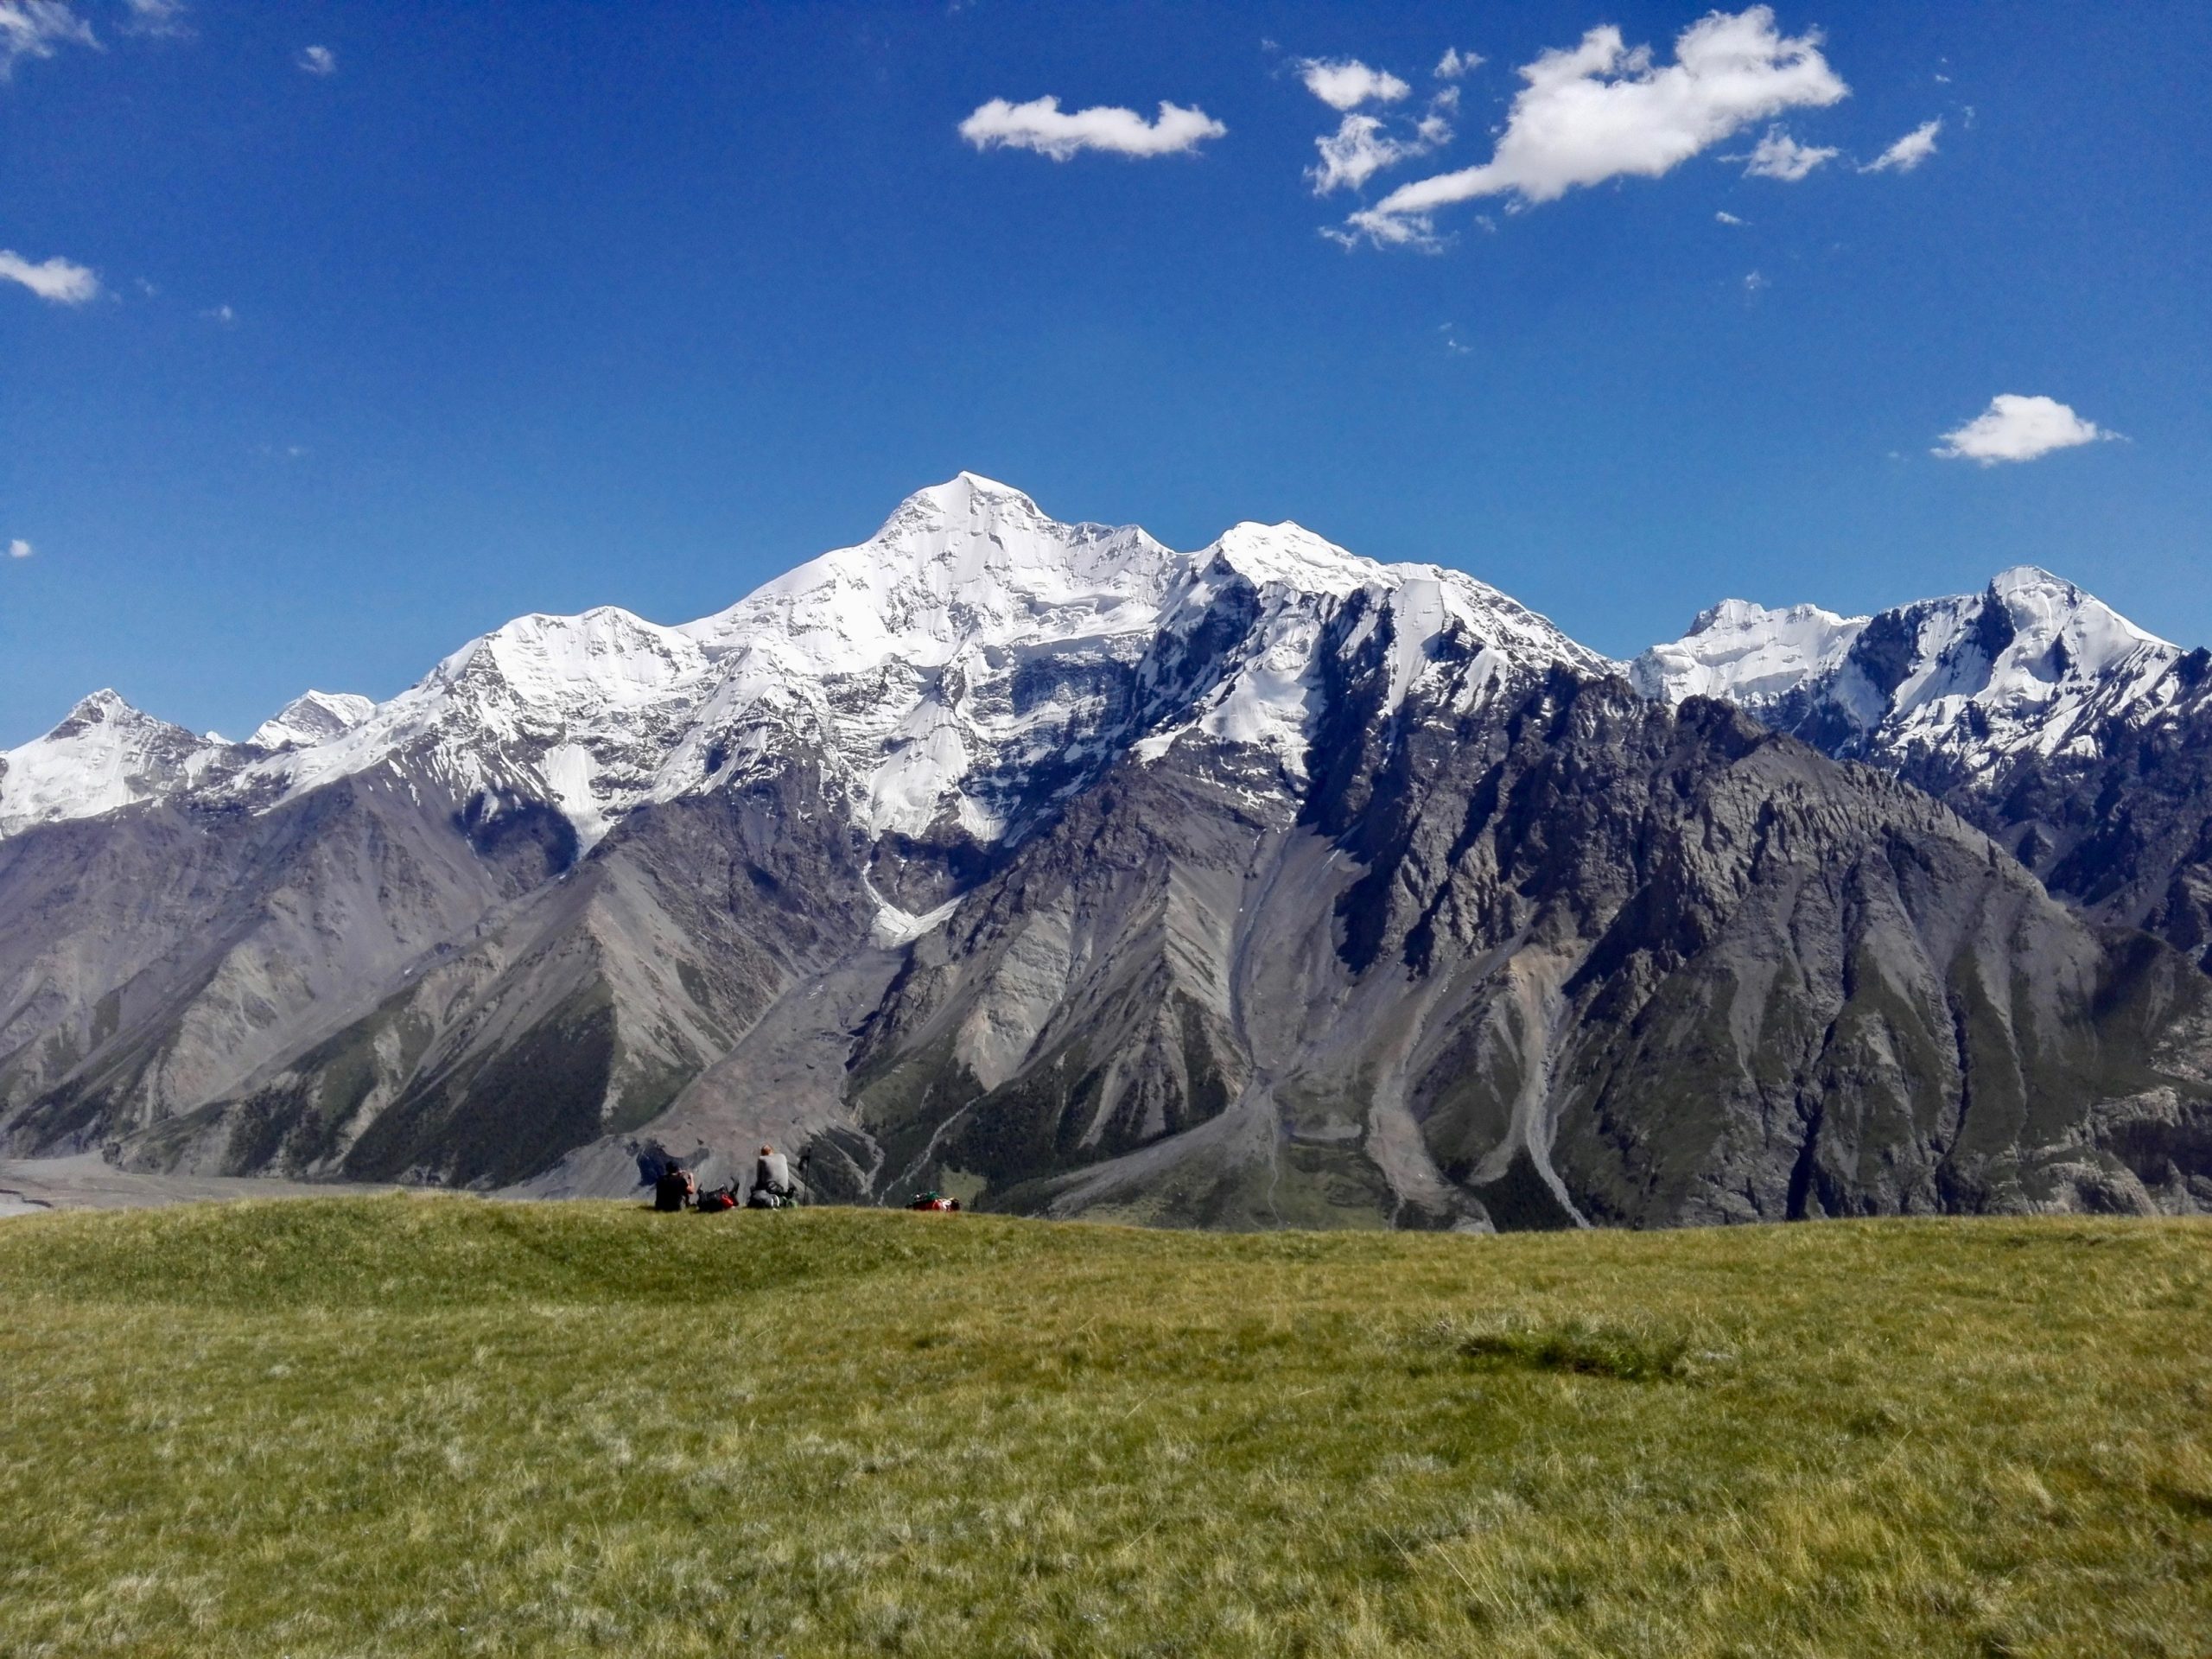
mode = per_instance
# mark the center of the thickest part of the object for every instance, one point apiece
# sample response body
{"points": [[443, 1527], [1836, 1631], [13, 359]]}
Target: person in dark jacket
{"points": [[676, 1188]]}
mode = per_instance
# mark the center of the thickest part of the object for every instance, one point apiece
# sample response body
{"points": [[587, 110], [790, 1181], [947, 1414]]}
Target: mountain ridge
{"points": [[1258, 885]]}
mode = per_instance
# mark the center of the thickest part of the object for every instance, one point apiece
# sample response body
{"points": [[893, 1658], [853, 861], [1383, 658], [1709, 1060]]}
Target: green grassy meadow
{"points": [[448, 1427]]}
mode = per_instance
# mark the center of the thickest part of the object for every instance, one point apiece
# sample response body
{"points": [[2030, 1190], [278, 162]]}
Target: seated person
{"points": [[676, 1187], [772, 1187]]}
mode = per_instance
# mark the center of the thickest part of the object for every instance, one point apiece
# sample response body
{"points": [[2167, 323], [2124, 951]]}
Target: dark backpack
{"points": [[711, 1201]]}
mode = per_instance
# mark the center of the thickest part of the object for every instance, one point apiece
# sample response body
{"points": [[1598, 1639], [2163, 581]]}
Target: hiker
{"points": [[676, 1187], [772, 1187]]}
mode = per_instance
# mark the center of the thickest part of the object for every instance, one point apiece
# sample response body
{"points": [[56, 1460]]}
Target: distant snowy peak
{"points": [[2032, 663], [310, 719], [105, 754], [1746, 653]]}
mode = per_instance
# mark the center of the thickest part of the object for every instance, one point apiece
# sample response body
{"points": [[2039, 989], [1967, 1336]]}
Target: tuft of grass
{"points": [[1632, 1352], [453, 1427]]}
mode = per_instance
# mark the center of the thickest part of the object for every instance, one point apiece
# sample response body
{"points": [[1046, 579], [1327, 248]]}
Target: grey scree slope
{"points": [[1261, 886]]}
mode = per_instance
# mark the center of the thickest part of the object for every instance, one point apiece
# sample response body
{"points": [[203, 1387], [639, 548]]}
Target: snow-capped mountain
{"points": [[958, 672], [2081, 742], [104, 755], [1262, 884], [1949, 688]]}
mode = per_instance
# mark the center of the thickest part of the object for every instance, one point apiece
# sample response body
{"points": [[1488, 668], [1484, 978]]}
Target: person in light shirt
{"points": [[772, 1180]]}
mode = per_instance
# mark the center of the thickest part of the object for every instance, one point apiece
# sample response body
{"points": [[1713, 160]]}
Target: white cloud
{"points": [[54, 280], [1778, 155], [1727, 217], [1362, 146], [19, 548], [1043, 126], [1346, 83], [318, 60], [1353, 154], [1455, 63], [1755, 281], [2014, 427], [221, 313], [162, 19], [1600, 110], [1359, 148], [1909, 151], [35, 29]]}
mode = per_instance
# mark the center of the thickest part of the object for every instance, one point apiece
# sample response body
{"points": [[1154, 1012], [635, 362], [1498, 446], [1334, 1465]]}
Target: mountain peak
{"points": [[2042, 607], [2033, 578], [106, 704], [1292, 554], [963, 498], [310, 718], [105, 754], [1733, 615], [1745, 652]]}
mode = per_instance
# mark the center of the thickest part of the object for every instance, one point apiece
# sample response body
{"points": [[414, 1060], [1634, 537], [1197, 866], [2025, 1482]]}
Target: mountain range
{"points": [[1263, 885]]}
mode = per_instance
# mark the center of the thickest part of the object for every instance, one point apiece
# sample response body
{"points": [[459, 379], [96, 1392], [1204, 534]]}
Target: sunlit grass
{"points": [[405, 1426]]}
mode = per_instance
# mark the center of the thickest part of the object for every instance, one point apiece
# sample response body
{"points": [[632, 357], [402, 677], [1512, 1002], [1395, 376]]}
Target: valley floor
{"points": [[408, 1426], [88, 1181]]}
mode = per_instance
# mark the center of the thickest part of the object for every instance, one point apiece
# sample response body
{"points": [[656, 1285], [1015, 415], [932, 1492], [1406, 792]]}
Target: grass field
{"points": [[441, 1425]]}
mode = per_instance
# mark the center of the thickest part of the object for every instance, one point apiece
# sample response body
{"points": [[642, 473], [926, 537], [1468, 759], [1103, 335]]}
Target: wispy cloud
{"points": [[1603, 111], [1909, 151], [1353, 154], [1778, 155], [38, 28], [56, 280], [1455, 63], [1346, 83], [220, 314], [1727, 217], [19, 548], [1043, 126], [162, 19], [1362, 146], [319, 60], [2014, 427]]}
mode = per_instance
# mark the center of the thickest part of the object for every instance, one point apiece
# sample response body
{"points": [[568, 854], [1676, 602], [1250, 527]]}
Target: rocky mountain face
{"points": [[1259, 886], [2080, 743]]}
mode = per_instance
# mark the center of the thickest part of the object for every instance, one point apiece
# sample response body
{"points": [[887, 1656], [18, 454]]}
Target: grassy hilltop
{"points": [[415, 1425]]}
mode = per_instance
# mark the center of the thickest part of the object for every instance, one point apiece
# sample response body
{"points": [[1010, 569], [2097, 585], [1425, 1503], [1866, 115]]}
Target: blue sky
{"points": [[537, 307]]}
